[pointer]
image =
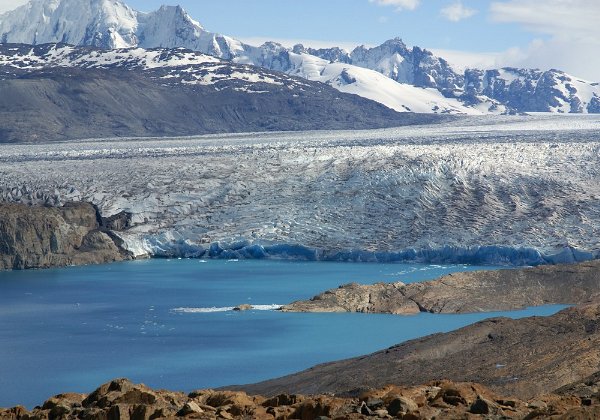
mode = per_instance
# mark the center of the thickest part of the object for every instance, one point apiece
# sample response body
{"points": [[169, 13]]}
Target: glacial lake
{"points": [[72, 329]]}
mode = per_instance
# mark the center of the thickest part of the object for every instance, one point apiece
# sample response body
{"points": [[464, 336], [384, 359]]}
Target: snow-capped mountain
{"points": [[498, 90], [111, 24], [422, 82], [534, 90]]}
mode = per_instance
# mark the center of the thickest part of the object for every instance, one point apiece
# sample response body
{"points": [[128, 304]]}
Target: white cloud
{"points": [[400, 5], [457, 11], [554, 17], [461, 60], [6, 5], [569, 26]]}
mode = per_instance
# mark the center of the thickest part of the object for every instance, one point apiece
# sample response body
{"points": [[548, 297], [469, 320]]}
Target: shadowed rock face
{"points": [[480, 291], [524, 357], [121, 399], [42, 237]]}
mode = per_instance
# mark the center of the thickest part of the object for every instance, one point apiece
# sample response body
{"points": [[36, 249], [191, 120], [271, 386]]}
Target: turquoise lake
{"points": [[70, 330]]}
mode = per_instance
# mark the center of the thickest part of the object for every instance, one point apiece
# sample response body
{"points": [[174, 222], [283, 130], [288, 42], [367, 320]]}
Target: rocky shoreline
{"points": [[121, 399], [466, 292], [44, 237], [523, 357]]}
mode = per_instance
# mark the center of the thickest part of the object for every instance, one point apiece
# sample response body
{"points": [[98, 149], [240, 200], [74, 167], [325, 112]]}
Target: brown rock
{"points": [[282, 399], [190, 408], [244, 307], [466, 292], [483, 406], [540, 354], [42, 237], [401, 405], [440, 399]]}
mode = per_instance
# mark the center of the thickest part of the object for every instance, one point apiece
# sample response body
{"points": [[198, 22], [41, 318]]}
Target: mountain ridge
{"points": [[58, 92], [423, 82]]}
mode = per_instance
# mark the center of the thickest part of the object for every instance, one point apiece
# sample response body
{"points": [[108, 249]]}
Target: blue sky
{"points": [[489, 33], [352, 22], [485, 33]]}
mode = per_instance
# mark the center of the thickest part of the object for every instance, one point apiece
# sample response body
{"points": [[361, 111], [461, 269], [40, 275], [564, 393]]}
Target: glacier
{"points": [[520, 190]]}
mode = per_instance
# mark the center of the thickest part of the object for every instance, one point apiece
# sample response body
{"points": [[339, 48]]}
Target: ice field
{"points": [[516, 190]]}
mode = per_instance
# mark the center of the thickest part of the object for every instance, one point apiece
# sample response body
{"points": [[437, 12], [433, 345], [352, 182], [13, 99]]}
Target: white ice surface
{"points": [[510, 181]]}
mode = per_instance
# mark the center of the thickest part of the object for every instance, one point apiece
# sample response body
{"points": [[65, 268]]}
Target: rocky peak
{"points": [[99, 23], [333, 55]]}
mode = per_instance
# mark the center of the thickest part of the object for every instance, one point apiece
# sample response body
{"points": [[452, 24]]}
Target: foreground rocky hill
{"points": [[479, 291], [524, 357], [121, 399], [42, 237]]}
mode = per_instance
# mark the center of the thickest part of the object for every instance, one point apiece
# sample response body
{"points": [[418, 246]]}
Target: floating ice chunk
{"points": [[272, 307]]}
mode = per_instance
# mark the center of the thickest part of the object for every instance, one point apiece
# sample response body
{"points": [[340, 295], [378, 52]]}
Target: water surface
{"points": [[73, 329]]}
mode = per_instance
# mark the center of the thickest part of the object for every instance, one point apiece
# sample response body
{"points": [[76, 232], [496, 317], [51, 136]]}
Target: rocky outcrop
{"points": [[42, 237], [478, 291], [525, 357], [121, 399]]}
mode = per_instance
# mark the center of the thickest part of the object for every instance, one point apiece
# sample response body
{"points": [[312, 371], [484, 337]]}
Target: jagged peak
{"points": [[299, 49], [177, 12], [272, 45], [395, 41]]}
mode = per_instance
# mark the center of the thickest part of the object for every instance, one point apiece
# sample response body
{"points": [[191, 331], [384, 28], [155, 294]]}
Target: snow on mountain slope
{"points": [[112, 24], [408, 65], [172, 27], [373, 85], [56, 55], [118, 26], [535, 90], [100, 23]]}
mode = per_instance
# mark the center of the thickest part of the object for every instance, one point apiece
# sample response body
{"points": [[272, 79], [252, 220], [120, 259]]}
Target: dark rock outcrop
{"points": [[121, 399], [478, 291], [42, 237], [524, 357]]}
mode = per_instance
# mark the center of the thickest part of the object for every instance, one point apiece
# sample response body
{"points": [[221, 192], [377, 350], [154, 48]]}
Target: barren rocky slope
{"points": [[56, 92], [480, 291], [525, 357], [121, 399], [41, 237]]}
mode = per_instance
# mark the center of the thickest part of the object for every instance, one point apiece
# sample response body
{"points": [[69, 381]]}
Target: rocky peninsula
{"points": [[465, 292], [43, 237], [121, 399]]}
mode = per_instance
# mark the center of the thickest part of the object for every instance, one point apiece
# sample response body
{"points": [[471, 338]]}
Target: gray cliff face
{"points": [[43, 237], [414, 66]]}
